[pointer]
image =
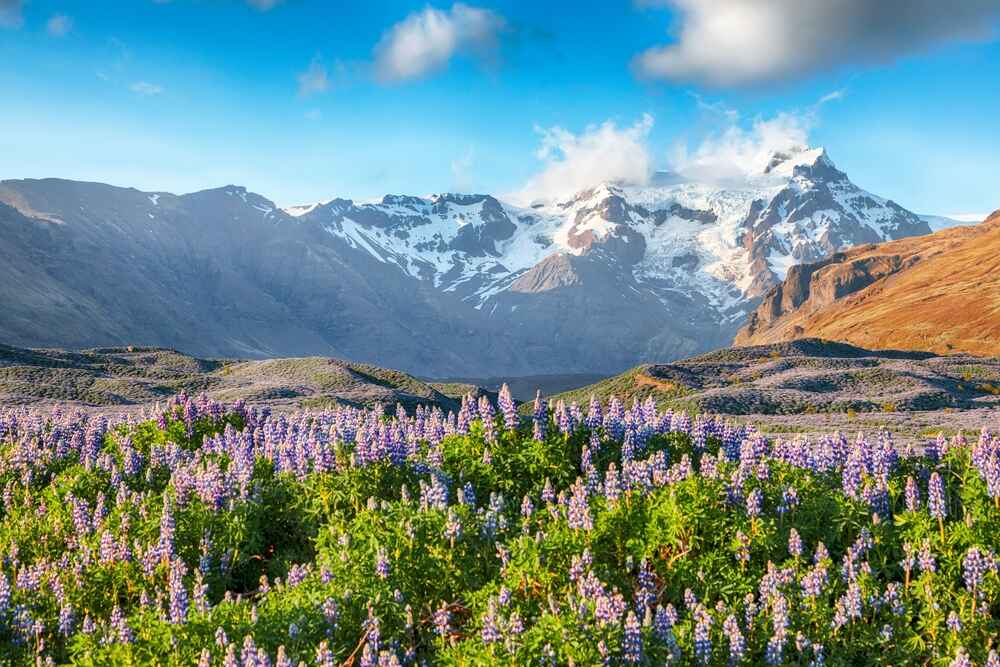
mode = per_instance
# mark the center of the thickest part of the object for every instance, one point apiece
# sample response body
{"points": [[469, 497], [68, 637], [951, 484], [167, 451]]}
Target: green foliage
{"points": [[369, 541]]}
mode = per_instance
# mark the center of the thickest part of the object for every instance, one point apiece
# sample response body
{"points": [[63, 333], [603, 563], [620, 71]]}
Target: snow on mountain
{"points": [[725, 245]]}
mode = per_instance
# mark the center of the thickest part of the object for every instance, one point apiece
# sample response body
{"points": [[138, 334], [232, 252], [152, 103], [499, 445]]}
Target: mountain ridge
{"points": [[449, 285]]}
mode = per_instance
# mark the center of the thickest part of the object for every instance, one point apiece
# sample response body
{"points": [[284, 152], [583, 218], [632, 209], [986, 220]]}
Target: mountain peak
{"points": [[784, 162]]}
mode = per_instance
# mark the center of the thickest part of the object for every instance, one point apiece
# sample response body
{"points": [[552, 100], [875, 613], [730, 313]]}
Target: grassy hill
{"points": [[807, 376], [133, 376]]}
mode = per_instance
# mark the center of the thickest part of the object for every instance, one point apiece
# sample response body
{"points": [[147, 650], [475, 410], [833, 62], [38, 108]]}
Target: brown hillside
{"points": [[939, 293]]}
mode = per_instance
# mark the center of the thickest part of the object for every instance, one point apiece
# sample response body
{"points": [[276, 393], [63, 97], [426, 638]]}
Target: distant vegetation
{"points": [[134, 375]]}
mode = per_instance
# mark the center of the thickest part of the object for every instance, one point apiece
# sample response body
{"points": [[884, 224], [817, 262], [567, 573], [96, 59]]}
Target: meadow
{"points": [[203, 533]]}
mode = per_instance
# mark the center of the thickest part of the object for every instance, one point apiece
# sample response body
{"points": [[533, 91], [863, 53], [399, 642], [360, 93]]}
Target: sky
{"points": [[304, 101]]}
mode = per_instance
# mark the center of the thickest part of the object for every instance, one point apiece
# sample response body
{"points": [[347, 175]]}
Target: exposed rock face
{"points": [[939, 293], [445, 285]]}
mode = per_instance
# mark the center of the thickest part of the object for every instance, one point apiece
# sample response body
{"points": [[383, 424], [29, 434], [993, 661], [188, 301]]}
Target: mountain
{"points": [[447, 285], [939, 293], [142, 376]]}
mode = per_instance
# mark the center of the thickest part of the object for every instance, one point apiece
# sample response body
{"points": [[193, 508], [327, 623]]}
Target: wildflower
{"points": [[737, 643], [632, 640], [794, 543], [442, 621], [702, 635], [382, 564], [961, 659], [954, 623], [754, 503], [578, 511], [912, 495]]}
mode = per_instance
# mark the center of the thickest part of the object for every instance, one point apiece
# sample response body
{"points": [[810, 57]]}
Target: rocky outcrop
{"points": [[939, 292]]}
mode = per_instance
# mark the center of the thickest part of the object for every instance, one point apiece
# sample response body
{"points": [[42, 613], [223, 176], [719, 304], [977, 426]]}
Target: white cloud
{"points": [[574, 162], [744, 42], [264, 5], [59, 25], [832, 96], [425, 41], [461, 171], [10, 14], [146, 88], [718, 108], [729, 156], [314, 79]]}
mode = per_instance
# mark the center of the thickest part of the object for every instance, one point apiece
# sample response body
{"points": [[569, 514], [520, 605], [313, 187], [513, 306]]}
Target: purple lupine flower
{"points": [[382, 564], [442, 621], [912, 495], [66, 620], [548, 495], [645, 593], [119, 624], [4, 594], [578, 508], [789, 500], [961, 659], [248, 655], [953, 622], [926, 558], [612, 485], [324, 656], [540, 417], [452, 526], [893, 599], [491, 630], [632, 640], [662, 623], [702, 635], [754, 503], [993, 659], [737, 643], [594, 417], [743, 548], [231, 659], [935, 497], [178, 593], [794, 543], [507, 407], [974, 567]]}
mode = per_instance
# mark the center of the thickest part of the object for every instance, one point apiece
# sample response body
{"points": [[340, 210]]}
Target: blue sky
{"points": [[303, 101]]}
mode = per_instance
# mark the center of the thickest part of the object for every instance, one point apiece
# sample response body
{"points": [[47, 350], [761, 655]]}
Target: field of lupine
{"points": [[603, 534]]}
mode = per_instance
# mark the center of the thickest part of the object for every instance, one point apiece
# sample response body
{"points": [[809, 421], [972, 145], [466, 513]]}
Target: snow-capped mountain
{"points": [[724, 245], [448, 284]]}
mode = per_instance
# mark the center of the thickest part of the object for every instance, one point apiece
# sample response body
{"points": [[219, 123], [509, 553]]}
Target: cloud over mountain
{"points": [[743, 42], [732, 154], [605, 152]]}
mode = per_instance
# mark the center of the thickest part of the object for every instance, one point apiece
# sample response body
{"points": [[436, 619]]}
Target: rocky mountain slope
{"points": [[938, 293], [141, 376], [444, 285]]}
